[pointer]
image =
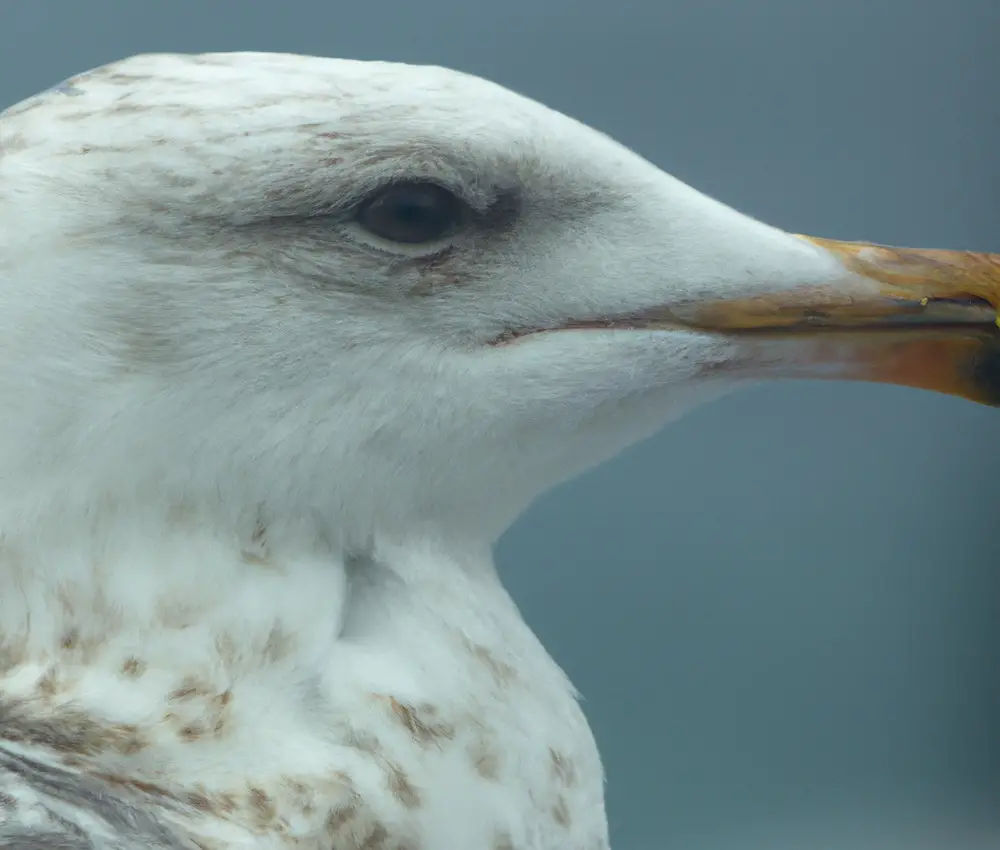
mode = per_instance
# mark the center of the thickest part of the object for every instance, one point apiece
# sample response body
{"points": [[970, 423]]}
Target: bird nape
{"points": [[287, 342]]}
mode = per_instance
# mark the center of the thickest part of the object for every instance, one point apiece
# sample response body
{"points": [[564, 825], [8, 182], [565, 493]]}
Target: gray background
{"points": [[783, 611]]}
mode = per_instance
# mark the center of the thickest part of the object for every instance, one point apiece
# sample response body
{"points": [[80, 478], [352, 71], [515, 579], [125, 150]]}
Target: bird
{"points": [[286, 342]]}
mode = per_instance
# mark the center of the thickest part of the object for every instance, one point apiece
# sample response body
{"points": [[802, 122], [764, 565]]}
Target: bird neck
{"points": [[145, 653], [137, 595]]}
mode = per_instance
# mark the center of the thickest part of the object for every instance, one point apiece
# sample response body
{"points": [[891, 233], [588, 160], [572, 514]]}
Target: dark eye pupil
{"points": [[411, 213]]}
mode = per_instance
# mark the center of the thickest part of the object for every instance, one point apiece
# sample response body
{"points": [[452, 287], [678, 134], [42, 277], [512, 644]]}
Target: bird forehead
{"points": [[249, 136], [152, 97], [218, 130]]}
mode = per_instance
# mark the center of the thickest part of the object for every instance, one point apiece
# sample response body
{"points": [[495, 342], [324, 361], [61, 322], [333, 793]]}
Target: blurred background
{"points": [[783, 612]]}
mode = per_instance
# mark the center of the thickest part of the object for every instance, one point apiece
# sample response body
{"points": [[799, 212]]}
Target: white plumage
{"points": [[253, 456]]}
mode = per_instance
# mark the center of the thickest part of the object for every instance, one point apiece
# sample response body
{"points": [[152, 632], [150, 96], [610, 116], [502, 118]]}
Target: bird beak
{"points": [[920, 318]]}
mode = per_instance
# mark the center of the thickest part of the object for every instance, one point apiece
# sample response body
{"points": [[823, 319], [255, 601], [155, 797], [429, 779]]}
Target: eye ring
{"points": [[412, 213]]}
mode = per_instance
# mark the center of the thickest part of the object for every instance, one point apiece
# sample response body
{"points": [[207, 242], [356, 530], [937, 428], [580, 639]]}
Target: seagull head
{"points": [[370, 297]]}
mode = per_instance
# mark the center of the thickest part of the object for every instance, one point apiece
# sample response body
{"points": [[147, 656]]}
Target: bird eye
{"points": [[411, 213]]}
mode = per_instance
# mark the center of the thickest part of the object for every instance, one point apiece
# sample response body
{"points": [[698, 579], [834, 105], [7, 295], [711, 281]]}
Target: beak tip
{"points": [[986, 374]]}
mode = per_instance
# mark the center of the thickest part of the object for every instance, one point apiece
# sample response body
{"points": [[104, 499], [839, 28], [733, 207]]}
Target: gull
{"points": [[286, 342]]}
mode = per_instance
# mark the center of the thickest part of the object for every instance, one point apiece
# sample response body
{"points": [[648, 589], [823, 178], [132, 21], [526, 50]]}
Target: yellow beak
{"points": [[921, 318]]}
